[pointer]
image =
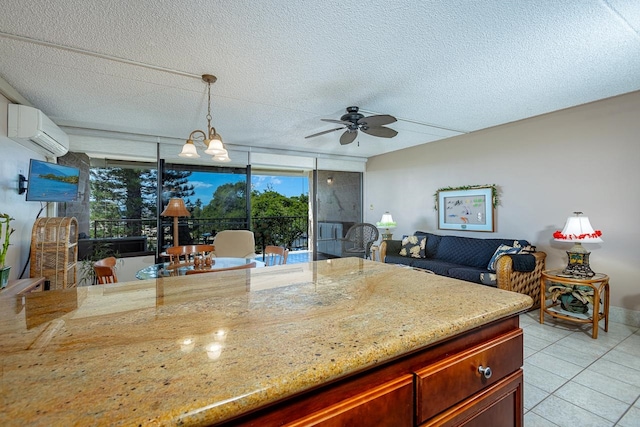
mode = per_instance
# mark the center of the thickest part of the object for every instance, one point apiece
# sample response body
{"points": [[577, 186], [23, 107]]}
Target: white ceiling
{"points": [[441, 67]]}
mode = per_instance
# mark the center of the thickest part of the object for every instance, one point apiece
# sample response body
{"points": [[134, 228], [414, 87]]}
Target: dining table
{"points": [[162, 269]]}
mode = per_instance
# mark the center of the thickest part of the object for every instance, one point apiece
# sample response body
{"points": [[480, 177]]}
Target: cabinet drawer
{"points": [[389, 404], [499, 405], [454, 379]]}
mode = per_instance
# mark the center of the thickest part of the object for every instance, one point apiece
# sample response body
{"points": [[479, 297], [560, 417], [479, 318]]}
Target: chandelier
{"points": [[211, 140]]}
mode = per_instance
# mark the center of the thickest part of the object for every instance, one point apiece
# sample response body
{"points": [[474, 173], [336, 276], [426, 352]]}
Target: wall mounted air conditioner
{"points": [[31, 128]]}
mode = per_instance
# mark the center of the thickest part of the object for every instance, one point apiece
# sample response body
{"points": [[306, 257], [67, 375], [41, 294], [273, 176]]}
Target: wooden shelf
{"points": [[596, 312]]}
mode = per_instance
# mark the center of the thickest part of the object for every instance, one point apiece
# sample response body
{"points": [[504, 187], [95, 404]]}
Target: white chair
{"points": [[235, 244]]}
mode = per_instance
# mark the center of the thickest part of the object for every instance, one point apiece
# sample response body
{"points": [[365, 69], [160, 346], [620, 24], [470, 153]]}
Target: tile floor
{"points": [[571, 379]]}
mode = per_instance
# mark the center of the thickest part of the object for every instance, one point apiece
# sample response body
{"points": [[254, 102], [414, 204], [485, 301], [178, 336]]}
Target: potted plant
{"points": [[5, 231], [573, 298]]}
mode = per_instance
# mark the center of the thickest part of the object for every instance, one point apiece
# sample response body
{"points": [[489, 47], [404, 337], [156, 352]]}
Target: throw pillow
{"points": [[502, 250], [413, 246]]}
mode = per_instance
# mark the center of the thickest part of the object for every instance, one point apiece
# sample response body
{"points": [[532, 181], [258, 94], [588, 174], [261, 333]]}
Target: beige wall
{"points": [[585, 159]]}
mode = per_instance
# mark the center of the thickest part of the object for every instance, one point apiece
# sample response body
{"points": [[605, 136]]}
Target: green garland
{"points": [[494, 192]]}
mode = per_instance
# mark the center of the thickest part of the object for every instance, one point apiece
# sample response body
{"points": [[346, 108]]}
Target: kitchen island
{"points": [[319, 343]]}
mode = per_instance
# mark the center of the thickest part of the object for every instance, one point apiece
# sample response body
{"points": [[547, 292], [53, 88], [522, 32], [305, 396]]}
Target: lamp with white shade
{"points": [[388, 224], [578, 230]]}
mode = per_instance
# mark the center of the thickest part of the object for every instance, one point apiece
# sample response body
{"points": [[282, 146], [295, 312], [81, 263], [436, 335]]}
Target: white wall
{"points": [[14, 159], [585, 159]]}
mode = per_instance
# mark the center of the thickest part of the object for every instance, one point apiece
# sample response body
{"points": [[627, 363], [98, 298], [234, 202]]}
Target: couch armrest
{"points": [[527, 283], [391, 246]]}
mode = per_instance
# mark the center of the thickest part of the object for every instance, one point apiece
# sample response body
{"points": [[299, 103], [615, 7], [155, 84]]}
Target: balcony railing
{"points": [[289, 231]]}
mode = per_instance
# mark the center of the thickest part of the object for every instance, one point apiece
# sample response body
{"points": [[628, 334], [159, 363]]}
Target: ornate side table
{"points": [[598, 284]]}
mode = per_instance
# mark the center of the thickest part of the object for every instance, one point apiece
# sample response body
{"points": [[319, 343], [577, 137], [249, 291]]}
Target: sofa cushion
{"points": [[439, 267], [413, 246], [502, 250], [469, 274], [468, 251]]}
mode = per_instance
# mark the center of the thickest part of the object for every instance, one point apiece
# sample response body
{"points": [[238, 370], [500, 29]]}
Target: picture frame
{"points": [[466, 210]]}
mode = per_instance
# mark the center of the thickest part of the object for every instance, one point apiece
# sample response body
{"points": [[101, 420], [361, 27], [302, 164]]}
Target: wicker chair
{"points": [[359, 239]]}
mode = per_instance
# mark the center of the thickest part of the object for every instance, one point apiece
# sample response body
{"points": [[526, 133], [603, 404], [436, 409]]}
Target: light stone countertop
{"points": [[194, 350]]}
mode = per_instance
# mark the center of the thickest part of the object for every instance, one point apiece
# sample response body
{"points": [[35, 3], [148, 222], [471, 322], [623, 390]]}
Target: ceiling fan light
{"points": [[189, 150]]}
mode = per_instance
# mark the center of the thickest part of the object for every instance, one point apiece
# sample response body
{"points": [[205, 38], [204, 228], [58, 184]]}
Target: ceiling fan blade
{"points": [[323, 132], [348, 137], [379, 131], [342, 122], [379, 120]]}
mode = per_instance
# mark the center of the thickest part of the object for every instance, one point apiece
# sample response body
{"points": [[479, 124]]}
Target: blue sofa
{"points": [[467, 258]]}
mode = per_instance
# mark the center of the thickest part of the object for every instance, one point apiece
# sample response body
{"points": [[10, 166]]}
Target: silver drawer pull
{"points": [[485, 371]]}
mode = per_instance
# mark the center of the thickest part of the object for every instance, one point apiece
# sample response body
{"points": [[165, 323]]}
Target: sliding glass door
{"points": [[338, 207]]}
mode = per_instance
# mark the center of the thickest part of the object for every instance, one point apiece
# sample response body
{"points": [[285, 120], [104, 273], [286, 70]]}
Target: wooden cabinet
{"points": [[54, 251], [444, 384], [389, 404], [473, 379], [499, 405]]}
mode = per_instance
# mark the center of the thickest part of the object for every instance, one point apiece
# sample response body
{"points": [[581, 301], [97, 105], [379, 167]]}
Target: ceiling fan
{"points": [[354, 121]]}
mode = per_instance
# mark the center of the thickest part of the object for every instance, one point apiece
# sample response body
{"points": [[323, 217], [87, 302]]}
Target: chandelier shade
{"points": [[210, 140]]}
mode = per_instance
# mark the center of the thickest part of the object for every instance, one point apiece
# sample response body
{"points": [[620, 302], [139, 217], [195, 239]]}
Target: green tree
{"points": [[123, 193], [229, 201], [278, 219]]}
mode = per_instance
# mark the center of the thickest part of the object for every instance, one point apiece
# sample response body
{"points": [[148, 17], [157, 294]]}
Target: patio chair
{"points": [[359, 239], [235, 244], [275, 255], [105, 270]]}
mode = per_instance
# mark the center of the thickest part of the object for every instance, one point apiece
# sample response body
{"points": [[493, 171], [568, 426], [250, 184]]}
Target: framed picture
{"points": [[467, 210]]}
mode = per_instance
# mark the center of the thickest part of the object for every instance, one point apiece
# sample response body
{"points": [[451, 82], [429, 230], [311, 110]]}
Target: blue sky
{"points": [[206, 183]]}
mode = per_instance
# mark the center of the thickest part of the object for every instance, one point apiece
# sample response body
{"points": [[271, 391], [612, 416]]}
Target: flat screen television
{"points": [[49, 182]]}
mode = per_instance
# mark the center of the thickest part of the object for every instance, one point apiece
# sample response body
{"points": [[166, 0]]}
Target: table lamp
{"points": [[387, 223], [577, 230], [175, 208]]}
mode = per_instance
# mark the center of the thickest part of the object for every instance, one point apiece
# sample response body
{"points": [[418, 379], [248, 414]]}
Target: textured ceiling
{"points": [[442, 68]]}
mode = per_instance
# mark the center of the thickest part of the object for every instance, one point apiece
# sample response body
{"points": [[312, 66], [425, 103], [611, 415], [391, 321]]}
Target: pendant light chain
{"points": [[209, 108], [211, 140]]}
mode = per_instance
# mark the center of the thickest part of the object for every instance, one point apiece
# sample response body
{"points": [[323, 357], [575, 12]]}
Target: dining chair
{"points": [[275, 255], [205, 270], [235, 244], [359, 239], [105, 270], [186, 255]]}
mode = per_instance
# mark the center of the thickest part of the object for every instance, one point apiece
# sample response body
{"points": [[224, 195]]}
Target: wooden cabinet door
{"points": [[443, 384], [497, 406], [387, 405]]}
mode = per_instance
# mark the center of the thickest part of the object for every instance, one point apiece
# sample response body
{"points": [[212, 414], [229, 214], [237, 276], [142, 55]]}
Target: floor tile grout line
{"points": [[583, 369], [627, 410], [577, 406]]}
